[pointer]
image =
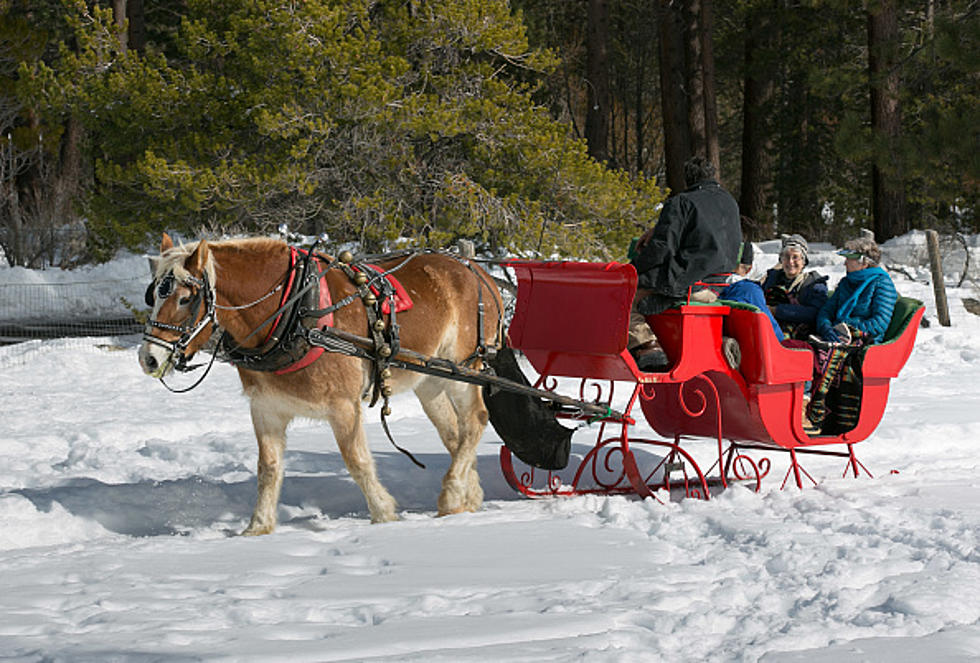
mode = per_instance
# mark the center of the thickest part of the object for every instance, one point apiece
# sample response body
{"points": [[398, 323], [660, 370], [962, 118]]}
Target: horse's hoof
{"points": [[258, 531], [386, 518], [451, 512]]}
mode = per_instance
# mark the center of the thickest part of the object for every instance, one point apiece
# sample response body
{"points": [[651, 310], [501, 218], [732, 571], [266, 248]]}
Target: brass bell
{"points": [[360, 278], [370, 299], [386, 374], [386, 411], [386, 390], [384, 351], [345, 256], [379, 325]]}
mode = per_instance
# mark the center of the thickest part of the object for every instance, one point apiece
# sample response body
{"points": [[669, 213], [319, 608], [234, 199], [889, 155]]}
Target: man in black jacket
{"points": [[698, 234]]}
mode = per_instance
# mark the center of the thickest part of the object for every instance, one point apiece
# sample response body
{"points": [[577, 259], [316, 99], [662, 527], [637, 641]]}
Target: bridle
{"points": [[161, 289]]}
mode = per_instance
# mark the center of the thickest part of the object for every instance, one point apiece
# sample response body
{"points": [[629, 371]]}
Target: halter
{"points": [[188, 330]]}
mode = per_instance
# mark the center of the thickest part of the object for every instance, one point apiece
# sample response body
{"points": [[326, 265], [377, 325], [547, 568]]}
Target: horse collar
{"points": [[285, 348]]}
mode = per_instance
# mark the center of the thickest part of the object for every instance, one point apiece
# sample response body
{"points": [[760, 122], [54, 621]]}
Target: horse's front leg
{"points": [[270, 432], [348, 430]]}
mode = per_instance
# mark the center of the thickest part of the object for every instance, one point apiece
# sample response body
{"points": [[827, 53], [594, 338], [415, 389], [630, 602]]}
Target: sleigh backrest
{"points": [[887, 358], [764, 359]]}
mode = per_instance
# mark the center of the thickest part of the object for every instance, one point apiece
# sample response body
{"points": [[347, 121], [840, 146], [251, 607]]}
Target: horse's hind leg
{"points": [[270, 432], [458, 413], [348, 429]]}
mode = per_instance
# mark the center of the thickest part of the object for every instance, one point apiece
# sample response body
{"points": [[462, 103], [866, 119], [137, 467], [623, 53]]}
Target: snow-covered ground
{"points": [[119, 501]]}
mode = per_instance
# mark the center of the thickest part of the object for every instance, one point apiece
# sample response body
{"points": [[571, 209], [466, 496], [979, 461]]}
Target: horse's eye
{"points": [[184, 301]]}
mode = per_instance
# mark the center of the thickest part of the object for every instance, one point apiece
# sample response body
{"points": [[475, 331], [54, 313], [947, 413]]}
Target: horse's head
{"points": [[181, 297]]}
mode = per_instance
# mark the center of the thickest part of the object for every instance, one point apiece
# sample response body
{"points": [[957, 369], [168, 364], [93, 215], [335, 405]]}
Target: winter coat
{"points": [[864, 299], [798, 305], [698, 233]]}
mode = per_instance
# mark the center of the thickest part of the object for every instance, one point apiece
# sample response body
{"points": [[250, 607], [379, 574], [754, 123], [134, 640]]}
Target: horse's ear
{"points": [[195, 262], [166, 243]]}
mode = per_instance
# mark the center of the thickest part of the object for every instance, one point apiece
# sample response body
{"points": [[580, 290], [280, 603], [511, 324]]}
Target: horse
{"points": [[235, 287]]}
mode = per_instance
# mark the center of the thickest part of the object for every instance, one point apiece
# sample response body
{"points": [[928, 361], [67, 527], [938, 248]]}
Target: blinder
{"points": [[162, 289]]}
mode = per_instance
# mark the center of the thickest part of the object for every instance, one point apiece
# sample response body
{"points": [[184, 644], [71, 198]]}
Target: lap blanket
{"points": [[835, 400]]}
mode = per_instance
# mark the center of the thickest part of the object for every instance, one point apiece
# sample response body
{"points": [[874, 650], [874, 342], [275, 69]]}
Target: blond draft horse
{"points": [[442, 323]]}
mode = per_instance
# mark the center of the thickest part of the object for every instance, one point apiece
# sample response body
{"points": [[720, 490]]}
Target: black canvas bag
{"points": [[526, 424]]}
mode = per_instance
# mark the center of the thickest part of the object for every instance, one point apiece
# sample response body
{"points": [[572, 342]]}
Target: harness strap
{"points": [[290, 313], [358, 275]]}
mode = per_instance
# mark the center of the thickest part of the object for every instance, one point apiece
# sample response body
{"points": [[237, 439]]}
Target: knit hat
{"points": [[796, 242]]}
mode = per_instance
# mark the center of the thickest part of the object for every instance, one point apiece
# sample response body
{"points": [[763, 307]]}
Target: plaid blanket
{"points": [[835, 399]]}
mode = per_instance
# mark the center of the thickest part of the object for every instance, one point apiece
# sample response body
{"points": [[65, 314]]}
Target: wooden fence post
{"points": [[467, 249], [938, 283]]}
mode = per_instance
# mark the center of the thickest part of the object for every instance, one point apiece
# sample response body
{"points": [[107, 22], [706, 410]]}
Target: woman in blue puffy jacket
{"points": [[864, 299]]}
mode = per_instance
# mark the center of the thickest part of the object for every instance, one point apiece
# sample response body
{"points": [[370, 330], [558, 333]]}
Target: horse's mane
{"points": [[173, 258]]}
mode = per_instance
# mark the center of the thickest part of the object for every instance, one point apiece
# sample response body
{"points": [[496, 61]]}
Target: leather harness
{"points": [[301, 329]]}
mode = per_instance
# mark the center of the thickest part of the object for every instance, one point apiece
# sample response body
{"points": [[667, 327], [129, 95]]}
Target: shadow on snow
{"points": [[316, 486]]}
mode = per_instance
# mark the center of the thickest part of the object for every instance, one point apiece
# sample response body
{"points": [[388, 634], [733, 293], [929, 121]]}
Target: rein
{"points": [[251, 304]]}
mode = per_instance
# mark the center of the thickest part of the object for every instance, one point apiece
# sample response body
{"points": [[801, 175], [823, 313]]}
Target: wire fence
{"points": [[80, 311]]}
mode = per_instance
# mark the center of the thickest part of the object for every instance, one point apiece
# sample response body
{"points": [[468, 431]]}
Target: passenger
{"points": [[862, 305], [746, 258], [855, 316], [789, 296], [698, 234], [794, 295], [748, 291]]}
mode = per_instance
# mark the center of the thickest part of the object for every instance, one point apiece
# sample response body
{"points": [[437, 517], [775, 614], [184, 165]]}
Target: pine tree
{"points": [[368, 121]]}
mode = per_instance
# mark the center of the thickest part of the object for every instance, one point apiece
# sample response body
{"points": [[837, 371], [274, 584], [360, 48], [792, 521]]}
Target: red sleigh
{"points": [[571, 321]]}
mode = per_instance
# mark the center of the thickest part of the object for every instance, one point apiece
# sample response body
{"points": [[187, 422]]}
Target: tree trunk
{"points": [[137, 25], [755, 198], [888, 186], [68, 178], [119, 14], [712, 150], [638, 118], [694, 77], [673, 102], [597, 71], [797, 175]]}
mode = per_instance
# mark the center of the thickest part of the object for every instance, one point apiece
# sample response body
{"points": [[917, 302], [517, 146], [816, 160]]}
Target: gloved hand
{"points": [[843, 333]]}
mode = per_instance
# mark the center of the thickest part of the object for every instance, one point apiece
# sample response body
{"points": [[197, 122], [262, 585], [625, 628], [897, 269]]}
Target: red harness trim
{"points": [[403, 302], [285, 294], [325, 321]]}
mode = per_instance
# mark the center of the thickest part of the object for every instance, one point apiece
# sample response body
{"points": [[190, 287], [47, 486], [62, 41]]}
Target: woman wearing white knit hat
{"points": [[793, 294]]}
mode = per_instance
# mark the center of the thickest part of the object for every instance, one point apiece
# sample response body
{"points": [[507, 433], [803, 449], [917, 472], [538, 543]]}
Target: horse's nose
{"points": [[150, 362]]}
